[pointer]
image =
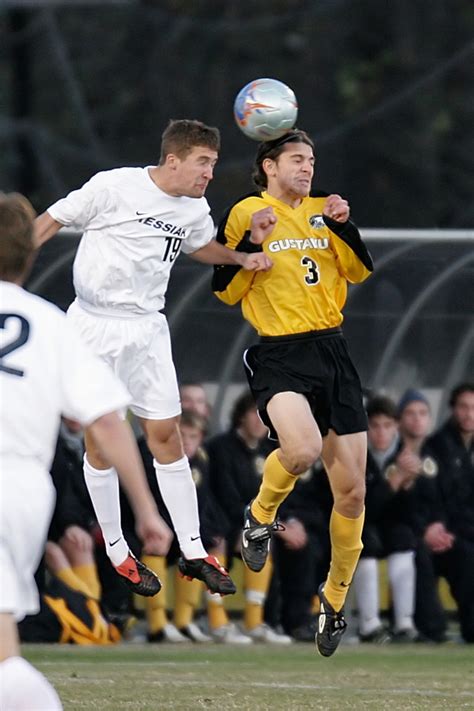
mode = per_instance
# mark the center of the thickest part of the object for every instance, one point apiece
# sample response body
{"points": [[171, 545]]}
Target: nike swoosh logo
{"points": [[321, 623], [140, 213], [196, 538], [113, 544]]}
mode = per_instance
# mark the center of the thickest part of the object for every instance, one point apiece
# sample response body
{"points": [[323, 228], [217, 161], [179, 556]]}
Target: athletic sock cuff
{"points": [[179, 465], [96, 472]]}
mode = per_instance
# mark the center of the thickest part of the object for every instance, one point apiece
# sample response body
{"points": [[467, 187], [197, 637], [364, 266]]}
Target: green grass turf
{"points": [[149, 677]]}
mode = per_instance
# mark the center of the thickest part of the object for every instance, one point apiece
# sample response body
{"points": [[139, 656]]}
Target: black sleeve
{"points": [[350, 234], [224, 273]]}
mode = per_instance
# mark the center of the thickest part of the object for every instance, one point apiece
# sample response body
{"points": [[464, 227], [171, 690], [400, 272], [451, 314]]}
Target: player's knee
{"points": [[54, 557], [162, 433], [351, 496], [301, 457]]}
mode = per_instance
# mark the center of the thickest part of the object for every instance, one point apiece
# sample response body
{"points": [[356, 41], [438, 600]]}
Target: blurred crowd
{"points": [[419, 522]]}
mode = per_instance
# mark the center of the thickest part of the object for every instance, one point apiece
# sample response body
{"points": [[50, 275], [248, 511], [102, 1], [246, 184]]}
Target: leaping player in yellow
{"points": [[306, 388]]}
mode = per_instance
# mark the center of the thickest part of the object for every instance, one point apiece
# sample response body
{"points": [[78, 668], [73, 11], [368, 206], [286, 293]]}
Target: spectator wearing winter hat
{"points": [[414, 425]]}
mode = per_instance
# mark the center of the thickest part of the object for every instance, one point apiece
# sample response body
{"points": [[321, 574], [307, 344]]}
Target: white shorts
{"points": [[27, 498], [138, 349]]}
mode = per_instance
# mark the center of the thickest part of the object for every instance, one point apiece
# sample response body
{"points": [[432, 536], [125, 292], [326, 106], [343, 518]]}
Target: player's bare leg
{"points": [[179, 495], [344, 458]]}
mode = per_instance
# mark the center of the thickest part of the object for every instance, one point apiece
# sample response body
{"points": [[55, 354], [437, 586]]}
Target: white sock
{"points": [[179, 494], [23, 688], [402, 576], [365, 584], [103, 487]]}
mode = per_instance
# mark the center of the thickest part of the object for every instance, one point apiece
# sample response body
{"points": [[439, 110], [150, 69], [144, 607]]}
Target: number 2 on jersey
{"points": [[312, 271], [20, 340]]}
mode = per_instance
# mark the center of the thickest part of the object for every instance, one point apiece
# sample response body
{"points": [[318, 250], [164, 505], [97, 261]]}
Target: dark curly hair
{"points": [[273, 149]]}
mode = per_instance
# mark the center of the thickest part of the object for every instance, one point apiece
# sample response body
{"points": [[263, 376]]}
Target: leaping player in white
{"points": [[46, 371], [135, 221]]}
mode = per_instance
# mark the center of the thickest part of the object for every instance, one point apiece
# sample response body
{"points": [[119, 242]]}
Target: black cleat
{"points": [[331, 626], [210, 571], [256, 539], [136, 576]]}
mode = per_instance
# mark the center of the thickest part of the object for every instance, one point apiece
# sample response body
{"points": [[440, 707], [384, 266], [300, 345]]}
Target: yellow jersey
{"points": [[313, 257]]}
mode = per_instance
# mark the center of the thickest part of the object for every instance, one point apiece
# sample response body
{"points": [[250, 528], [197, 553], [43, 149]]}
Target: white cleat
{"points": [[195, 634], [267, 635], [229, 634]]}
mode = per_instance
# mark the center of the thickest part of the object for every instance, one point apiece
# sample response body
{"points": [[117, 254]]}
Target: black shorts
{"points": [[316, 364]]}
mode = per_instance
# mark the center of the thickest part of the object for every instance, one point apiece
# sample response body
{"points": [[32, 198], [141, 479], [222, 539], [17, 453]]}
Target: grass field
{"points": [[146, 677]]}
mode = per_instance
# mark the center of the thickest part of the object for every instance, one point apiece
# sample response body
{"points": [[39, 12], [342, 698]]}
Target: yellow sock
{"points": [[187, 594], [88, 574], [155, 607], [276, 484], [346, 546], [216, 613], [315, 605], [256, 589], [68, 576]]}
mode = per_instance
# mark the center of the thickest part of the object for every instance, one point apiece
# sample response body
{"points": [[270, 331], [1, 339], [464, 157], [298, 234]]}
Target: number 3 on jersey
{"points": [[6, 348], [312, 271]]}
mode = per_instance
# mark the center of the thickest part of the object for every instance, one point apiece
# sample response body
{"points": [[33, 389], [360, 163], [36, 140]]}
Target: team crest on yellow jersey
{"points": [[316, 221]]}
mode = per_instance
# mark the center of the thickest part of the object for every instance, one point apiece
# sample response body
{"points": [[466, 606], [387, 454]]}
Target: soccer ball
{"points": [[265, 109]]}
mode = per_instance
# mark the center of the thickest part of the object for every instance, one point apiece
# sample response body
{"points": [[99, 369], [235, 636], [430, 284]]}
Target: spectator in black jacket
{"points": [[236, 460], [302, 551], [446, 513], [390, 525]]}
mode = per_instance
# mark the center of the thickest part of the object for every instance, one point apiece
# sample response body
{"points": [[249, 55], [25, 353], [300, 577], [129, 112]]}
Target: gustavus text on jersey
{"points": [[280, 245]]}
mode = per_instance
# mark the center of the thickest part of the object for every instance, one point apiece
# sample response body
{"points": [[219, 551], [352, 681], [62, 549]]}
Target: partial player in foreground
{"points": [[304, 383], [135, 223], [45, 370]]}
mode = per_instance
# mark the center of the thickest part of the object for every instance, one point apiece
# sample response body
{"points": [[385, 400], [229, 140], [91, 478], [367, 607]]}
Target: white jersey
{"points": [[132, 234], [46, 371]]}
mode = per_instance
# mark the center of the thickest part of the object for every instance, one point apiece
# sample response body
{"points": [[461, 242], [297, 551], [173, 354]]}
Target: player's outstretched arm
{"points": [[215, 253], [115, 439], [45, 227]]}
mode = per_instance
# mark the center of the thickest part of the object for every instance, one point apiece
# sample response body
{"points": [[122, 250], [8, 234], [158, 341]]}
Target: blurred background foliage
{"points": [[385, 88]]}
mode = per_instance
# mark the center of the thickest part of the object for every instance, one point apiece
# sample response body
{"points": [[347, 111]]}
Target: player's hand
{"points": [[336, 208], [262, 224], [155, 534], [256, 262]]}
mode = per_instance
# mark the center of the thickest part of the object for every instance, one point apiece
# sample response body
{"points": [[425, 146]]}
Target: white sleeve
{"points": [[79, 208], [201, 235], [89, 387]]}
